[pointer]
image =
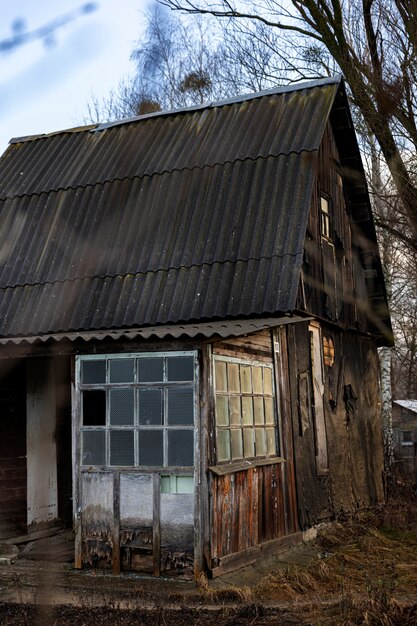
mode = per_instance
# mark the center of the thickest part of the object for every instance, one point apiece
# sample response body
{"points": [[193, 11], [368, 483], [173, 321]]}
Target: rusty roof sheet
{"points": [[188, 216]]}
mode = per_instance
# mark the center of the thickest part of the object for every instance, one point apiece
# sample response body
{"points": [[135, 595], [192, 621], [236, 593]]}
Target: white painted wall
{"points": [[42, 487]]}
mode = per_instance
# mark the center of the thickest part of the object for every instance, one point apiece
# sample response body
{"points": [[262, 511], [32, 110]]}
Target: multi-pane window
{"points": [[137, 410], [245, 409], [325, 217]]}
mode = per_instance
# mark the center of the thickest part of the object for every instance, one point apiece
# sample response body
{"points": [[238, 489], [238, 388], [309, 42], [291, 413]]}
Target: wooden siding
{"points": [[127, 523], [352, 423], [333, 284], [247, 509], [13, 473], [257, 505], [257, 346]]}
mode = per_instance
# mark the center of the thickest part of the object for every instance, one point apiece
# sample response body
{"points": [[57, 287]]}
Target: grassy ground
{"points": [[363, 572]]}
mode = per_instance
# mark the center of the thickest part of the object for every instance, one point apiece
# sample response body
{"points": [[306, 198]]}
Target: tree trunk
{"points": [[386, 408]]}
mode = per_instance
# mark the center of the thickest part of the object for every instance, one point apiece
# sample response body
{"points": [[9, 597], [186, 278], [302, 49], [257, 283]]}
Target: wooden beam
{"points": [[156, 540], [235, 561], [116, 524]]}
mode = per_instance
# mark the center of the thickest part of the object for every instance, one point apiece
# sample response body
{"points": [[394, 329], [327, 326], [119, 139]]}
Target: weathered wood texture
{"points": [[352, 423], [247, 509], [97, 517], [12, 450], [333, 285], [127, 523], [257, 346]]}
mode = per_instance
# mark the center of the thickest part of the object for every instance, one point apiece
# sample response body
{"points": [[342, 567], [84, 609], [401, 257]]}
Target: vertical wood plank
{"points": [[203, 420], [76, 477], [318, 390], [156, 527], [116, 524], [283, 373]]}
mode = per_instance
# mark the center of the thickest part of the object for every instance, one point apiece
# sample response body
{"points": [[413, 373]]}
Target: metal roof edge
{"points": [[222, 328], [411, 405], [320, 82]]}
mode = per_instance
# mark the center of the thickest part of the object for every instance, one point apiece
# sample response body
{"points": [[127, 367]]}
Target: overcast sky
{"points": [[45, 84]]}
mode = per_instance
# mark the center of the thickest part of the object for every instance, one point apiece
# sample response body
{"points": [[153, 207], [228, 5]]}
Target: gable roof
{"points": [[197, 214], [411, 405]]}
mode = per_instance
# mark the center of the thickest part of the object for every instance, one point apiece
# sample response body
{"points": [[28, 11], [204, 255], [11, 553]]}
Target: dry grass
{"points": [[365, 572]]}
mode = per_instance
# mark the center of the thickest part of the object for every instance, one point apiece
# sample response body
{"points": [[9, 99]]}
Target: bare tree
{"points": [[373, 42], [21, 36]]}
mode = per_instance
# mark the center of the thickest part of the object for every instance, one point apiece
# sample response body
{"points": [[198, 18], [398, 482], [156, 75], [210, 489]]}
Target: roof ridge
{"points": [[311, 84], [151, 271]]}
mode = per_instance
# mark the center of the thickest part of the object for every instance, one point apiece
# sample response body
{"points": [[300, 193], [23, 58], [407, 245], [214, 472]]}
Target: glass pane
{"points": [[235, 417], [122, 371], [260, 440], [246, 378], [258, 409], [248, 442], [271, 447], [94, 407], [150, 407], [233, 377], [257, 379], [177, 484], [223, 445], [122, 447], [237, 444], [221, 376], [185, 484], [181, 448], [93, 447], [151, 370], [181, 368], [269, 410], [222, 411], [121, 406], [247, 410], [93, 372], [180, 406], [151, 448], [267, 381]]}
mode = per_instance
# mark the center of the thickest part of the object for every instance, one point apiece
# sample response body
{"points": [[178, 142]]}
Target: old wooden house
{"points": [[190, 308], [404, 425]]}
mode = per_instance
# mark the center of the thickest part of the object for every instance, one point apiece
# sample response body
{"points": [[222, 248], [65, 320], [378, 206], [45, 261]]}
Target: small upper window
{"points": [[407, 439], [324, 217]]}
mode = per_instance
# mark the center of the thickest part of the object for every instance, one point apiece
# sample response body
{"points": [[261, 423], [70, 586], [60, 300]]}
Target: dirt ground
{"points": [[359, 571]]}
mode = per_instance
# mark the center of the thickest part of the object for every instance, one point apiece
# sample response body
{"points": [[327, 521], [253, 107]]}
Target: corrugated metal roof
{"points": [[196, 215], [411, 405], [224, 329], [250, 129]]}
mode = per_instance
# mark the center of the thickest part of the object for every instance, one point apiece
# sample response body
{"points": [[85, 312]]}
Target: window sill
{"points": [[239, 466]]}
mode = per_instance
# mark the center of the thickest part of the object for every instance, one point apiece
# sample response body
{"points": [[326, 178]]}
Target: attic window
{"points": [[137, 410], [245, 409], [407, 438], [324, 217], [328, 351]]}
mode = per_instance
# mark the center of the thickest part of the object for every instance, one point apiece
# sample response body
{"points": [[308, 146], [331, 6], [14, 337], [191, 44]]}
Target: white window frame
{"points": [[107, 386], [242, 427]]}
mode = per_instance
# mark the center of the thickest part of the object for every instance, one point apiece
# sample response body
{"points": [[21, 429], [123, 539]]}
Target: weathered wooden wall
{"points": [[12, 449], [353, 427], [128, 524], [42, 491], [253, 506], [333, 286], [257, 346], [247, 509]]}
